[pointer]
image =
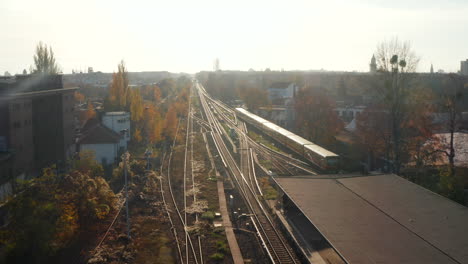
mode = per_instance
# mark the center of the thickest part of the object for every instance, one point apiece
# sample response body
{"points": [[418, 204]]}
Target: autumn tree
{"points": [[315, 116], [451, 104], [151, 93], [156, 94], [421, 143], [79, 97], [373, 133], [119, 95], [137, 135], [44, 60], [170, 123], [136, 105], [396, 61], [49, 211], [253, 97], [152, 124], [90, 112], [86, 163]]}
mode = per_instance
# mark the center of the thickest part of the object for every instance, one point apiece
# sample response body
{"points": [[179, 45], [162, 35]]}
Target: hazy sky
{"points": [[187, 36]]}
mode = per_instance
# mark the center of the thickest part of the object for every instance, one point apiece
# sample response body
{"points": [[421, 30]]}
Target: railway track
{"points": [[188, 250], [284, 164], [275, 245]]}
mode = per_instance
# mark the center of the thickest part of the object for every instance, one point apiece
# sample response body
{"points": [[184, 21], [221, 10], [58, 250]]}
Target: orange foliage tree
{"points": [[156, 93], [152, 124], [89, 113], [136, 106], [49, 211], [79, 97], [119, 96], [170, 123]]}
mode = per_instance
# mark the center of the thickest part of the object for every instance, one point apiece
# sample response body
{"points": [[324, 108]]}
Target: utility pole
{"points": [[125, 156]]}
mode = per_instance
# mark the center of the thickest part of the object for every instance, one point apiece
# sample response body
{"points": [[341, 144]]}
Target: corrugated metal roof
{"points": [[382, 219]]}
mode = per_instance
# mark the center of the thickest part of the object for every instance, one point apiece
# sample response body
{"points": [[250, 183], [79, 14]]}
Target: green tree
{"points": [[44, 60]]}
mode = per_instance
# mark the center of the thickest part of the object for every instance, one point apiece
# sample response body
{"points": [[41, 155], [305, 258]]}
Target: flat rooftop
{"points": [[382, 218]]}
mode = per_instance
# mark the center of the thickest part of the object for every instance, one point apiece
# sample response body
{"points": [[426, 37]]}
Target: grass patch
{"points": [[269, 193], [266, 163], [165, 255], [260, 139]]}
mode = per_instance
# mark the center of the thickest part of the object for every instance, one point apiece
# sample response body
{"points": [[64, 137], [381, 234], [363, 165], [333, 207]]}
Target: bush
{"points": [[222, 247], [270, 193], [208, 215], [217, 256], [49, 211]]}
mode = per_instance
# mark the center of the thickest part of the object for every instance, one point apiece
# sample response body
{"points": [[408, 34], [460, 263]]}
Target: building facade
{"points": [[118, 122], [36, 124], [279, 92], [102, 141], [464, 67]]}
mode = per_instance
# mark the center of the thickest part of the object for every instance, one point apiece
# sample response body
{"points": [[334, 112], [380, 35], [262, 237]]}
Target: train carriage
{"points": [[321, 157], [316, 154]]}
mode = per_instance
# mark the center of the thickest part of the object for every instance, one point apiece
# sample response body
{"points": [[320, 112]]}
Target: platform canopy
{"points": [[381, 218]]}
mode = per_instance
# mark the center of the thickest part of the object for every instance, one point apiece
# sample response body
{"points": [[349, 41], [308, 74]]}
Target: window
{"points": [[17, 124]]}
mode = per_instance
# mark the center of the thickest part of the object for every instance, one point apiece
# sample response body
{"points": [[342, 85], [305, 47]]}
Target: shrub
{"points": [[208, 215], [217, 256], [222, 247]]}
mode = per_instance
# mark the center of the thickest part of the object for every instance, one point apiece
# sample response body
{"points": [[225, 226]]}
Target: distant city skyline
{"points": [[187, 36]]}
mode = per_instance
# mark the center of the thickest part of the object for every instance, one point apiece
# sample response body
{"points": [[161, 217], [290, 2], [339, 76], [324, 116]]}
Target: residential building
{"points": [[280, 93], [104, 142], [36, 124], [464, 67], [282, 116], [348, 113], [119, 122]]}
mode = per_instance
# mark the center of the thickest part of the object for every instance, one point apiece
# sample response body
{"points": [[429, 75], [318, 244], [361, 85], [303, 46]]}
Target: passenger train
{"points": [[322, 158]]}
